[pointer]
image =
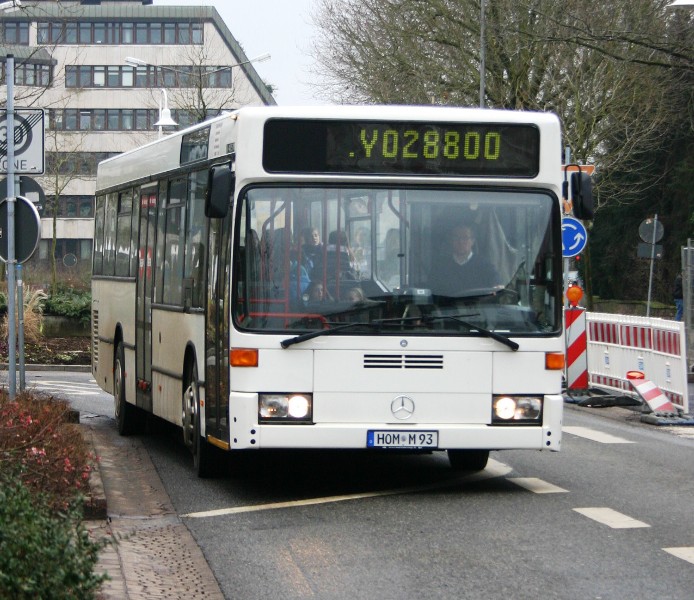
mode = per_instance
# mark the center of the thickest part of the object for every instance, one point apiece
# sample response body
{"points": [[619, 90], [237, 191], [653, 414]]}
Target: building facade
{"points": [[103, 71]]}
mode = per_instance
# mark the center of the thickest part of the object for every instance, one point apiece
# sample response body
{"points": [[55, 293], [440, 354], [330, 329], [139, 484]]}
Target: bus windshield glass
{"points": [[422, 261]]}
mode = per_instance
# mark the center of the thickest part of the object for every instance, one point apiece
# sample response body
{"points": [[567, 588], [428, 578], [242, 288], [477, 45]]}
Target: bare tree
{"points": [[615, 72], [63, 169]]}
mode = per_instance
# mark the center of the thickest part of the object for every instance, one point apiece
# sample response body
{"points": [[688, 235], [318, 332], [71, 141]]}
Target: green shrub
{"points": [[69, 302], [43, 553]]}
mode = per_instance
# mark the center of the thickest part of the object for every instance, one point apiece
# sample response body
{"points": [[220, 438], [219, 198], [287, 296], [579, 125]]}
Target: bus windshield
{"points": [[422, 261]]}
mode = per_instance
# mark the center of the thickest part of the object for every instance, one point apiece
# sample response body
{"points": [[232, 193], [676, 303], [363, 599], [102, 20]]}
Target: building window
{"points": [[30, 74], [119, 76], [100, 32], [75, 163], [15, 33], [68, 207]]}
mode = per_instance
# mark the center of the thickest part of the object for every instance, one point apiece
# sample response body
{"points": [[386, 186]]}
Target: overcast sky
{"points": [[282, 28]]}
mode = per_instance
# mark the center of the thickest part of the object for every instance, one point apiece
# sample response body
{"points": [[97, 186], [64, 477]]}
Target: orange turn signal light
{"points": [[243, 357], [554, 361]]}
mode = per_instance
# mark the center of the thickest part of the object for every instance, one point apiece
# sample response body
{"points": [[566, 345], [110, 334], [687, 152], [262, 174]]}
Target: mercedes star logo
{"points": [[402, 407]]}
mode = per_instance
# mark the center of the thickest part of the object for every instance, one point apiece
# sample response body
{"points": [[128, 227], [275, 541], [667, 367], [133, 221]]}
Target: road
{"points": [[611, 516]]}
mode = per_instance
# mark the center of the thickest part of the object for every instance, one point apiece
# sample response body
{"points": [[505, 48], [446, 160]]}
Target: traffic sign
{"points": [[29, 135], [651, 231], [574, 237], [27, 229]]}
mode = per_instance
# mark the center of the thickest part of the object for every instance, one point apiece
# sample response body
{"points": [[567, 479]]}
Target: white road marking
{"points": [[537, 486], [74, 389], [611, 518], [494, 469], [596, 436], [685, 553]]}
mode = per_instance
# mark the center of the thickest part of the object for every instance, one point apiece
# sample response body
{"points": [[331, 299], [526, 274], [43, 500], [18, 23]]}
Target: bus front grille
{"points": [[403, 361]]}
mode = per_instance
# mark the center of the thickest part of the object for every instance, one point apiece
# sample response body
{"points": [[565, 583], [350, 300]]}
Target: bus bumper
{"points": [[546, 436]]}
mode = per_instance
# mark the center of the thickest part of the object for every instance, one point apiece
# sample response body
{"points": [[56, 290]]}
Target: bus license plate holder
{"points": [[390, 438]]}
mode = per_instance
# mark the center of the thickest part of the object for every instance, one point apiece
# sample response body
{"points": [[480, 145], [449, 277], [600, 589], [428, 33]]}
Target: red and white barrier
{"points": [[618, 344], [576, 349], [652, 395]]}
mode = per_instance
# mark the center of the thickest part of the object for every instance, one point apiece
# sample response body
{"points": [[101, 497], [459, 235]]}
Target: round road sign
{"points": [[573, 237], [27, 229]]}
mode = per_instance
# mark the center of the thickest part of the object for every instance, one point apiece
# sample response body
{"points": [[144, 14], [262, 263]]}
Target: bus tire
{"points": [[468, 460], [128, 417], [203, 453]]}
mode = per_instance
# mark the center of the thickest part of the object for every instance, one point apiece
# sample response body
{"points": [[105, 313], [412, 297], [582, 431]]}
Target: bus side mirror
{"points": [[582, 196], [220, 187]]}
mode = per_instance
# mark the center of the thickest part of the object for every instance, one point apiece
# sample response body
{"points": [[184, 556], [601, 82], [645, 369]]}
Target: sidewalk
{"points": [[154, 555]]}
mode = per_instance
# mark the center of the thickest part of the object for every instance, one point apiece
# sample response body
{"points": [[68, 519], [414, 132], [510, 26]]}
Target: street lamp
{"points": [[677, 3], [7, 6], [165, 119]]}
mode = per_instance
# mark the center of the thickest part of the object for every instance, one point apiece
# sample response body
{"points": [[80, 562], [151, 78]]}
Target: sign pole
{"points": [[650, 276], [20, 330], [11, 284]]}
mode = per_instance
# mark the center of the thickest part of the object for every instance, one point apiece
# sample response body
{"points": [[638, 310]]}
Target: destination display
{"points": [[418, 148]]}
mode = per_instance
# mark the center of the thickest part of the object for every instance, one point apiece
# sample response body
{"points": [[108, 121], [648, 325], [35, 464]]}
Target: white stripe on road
{"points": [[76, 389], [494, 469], [683, 553], [596, 436], [537, 486], [611, 518]]}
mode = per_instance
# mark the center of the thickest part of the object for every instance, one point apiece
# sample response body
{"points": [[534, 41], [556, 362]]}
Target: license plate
{"points": [[402, 439]]}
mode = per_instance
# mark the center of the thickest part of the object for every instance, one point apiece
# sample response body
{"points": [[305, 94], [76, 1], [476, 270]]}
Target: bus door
{"points": [[143, 315], [217, 328]]}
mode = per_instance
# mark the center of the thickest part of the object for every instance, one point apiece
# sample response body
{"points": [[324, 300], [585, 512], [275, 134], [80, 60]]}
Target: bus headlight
{"points": [[285, 408], [516, 409]]}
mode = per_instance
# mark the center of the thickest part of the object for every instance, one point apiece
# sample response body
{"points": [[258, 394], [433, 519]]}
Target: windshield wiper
{"points": [[472, 327], [320, 332], [377, 324]]}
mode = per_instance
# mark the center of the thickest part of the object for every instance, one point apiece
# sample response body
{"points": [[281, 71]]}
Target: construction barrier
{"points": [[576, 348], [618, 344]]}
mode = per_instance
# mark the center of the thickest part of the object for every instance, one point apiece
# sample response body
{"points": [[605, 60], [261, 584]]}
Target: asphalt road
{"points": [[611, 516]]}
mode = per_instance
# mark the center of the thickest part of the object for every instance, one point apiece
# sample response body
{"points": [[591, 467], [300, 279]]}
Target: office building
{"points": [[103, 71]]}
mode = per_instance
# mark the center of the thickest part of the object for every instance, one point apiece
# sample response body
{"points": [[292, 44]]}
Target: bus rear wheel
{"points": [[203, 453], [129, 419], [468, 460]]}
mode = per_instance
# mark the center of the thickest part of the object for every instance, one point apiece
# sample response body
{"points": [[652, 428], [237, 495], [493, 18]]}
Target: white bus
{"points": [[281, 278]]}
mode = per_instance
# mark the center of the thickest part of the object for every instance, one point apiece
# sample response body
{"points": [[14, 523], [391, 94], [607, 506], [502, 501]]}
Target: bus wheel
{"points": [[192, 436], [468, 460], [128, 417]]}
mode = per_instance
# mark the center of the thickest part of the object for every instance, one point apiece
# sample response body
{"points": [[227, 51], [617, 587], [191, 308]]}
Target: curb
{"points": [[33, 367], [95, 505]]}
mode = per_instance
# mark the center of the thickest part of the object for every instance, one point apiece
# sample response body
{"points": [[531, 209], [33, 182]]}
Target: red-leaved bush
{"points": [[41, 446]]}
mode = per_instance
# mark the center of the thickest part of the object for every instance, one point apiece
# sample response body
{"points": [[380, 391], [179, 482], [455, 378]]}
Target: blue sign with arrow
{"points": [[574, 237]]}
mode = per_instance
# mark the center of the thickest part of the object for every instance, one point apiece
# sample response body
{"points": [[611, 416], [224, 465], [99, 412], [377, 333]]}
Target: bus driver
{"points": [[462, 267]]}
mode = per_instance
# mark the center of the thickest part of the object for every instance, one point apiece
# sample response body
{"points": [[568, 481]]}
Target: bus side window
{"points": [[196, 238], [98, 258]]}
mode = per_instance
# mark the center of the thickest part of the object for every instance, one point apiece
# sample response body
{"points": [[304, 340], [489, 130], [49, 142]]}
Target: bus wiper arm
{"points": [[486, 332], [321, 332]]}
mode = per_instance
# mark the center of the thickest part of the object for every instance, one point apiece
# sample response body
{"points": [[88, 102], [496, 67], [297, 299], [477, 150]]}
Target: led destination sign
{"points": [[419, 148]]}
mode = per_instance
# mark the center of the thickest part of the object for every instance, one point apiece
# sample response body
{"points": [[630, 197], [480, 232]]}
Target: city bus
{"points": [[274, 278]]}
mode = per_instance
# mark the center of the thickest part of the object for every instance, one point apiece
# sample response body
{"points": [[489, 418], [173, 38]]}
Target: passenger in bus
{"points": [[362, 252], [311, 248], [339, 258], [462, 267], [316, 294]]}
